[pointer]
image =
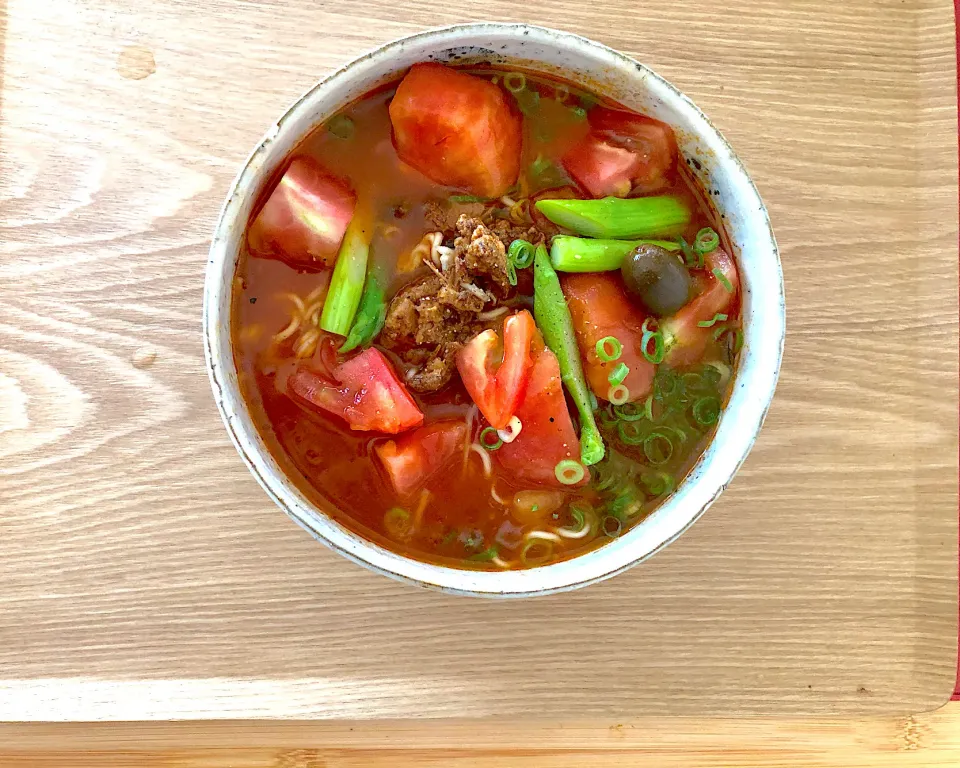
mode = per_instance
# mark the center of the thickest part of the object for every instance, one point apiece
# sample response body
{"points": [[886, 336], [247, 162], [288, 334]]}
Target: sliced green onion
{"points": [[618, 395], [521, 253], [655, 357], [606, 418], [582, 254], [536, 552], [723, 279], [706, 241], [468, 199], [539, 165], [514, 82], [569, 472], [486, 442], [341, 126], [631, 433], [619, 374], [648, 407], [579, 518], [706, 411], [511, 273], [579, 113], [658, 448], [346, 284], [737, 336], [615, 347], [628, 412], [719, 317], [606, 477], [667, 384], [658, 483], [528, 103], [619, 218], [690, 258], [398, 524], [482, 557], [611, 526]]}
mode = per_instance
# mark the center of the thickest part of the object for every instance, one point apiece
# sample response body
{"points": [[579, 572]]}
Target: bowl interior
{"points": [[717, 168]]}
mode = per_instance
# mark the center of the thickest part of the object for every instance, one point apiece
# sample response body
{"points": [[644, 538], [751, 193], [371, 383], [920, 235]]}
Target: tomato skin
{"points": [[602, 168], [600, 307], [498, 390], [547, 435], [685, 340], [456, 129], [367, 394], [411, 460], [623, 151], [304, 218]]}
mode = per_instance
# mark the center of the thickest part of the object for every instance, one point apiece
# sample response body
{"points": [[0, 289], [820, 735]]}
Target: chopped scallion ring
{"points": [[611, 526], [521, 253], [706, 411], [514, 82], [579, 113], [656, 356], [618, 375], [690, 258], [609, 349], [511, 273], [628, 412], [723, 279], [398, 524], [487, 442], [717, 318], [618, 395], [658, 484], [706, 241], [648, 407], [569, 472], [536, 551], [630, 432], [658, 448]]}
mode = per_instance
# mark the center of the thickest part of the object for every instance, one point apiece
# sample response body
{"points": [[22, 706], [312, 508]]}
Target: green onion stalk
{"points": [[371, 313], [617, 218], [553, 319], [346, 285], [580, 254]]}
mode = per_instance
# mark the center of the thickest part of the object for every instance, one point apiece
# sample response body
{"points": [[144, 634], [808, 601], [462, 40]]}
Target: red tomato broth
{"points": [[459, 521]]}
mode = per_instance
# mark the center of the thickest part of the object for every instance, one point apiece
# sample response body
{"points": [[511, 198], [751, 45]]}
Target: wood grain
{"points": [[145, 575], [922, 740]]}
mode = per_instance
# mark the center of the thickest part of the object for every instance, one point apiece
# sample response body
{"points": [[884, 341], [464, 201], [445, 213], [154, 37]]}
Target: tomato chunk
{"points": [[547, 436], [367, 394], [599, 307], [410, 461], [684, 339], [602, 168], [622, 152], [304, 218], [498, 389], [456, 129]]}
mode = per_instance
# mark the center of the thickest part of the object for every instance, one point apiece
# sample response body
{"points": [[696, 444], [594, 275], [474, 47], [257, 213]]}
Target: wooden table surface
{"points": [[114, 153]]}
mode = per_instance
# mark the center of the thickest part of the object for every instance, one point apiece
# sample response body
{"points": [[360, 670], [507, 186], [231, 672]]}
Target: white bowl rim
{"points": [[754, 385]]}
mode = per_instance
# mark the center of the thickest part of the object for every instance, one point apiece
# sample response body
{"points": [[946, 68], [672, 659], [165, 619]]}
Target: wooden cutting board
{"points": [[145, 575]]}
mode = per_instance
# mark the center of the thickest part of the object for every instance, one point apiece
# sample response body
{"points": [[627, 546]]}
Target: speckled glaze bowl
{"points": [[604, 71]]}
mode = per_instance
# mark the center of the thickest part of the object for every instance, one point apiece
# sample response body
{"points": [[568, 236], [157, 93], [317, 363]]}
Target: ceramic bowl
{"points": [[604, 71]]}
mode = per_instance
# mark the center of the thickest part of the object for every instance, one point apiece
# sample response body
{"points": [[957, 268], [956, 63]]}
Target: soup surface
{"points": [[486, 318]]}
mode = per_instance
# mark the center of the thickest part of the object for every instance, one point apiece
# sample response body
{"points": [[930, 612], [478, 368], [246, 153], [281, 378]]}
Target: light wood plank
{"points": [[145, 575]]}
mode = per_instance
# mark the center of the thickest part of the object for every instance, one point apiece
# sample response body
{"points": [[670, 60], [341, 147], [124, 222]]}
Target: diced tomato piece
{"points": [[600, 307], [304, 218], [456, 129], [685, 340], [498, 389], [367, 394], [410, 461], [547, 436], [602, 168], [623, 151]]}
